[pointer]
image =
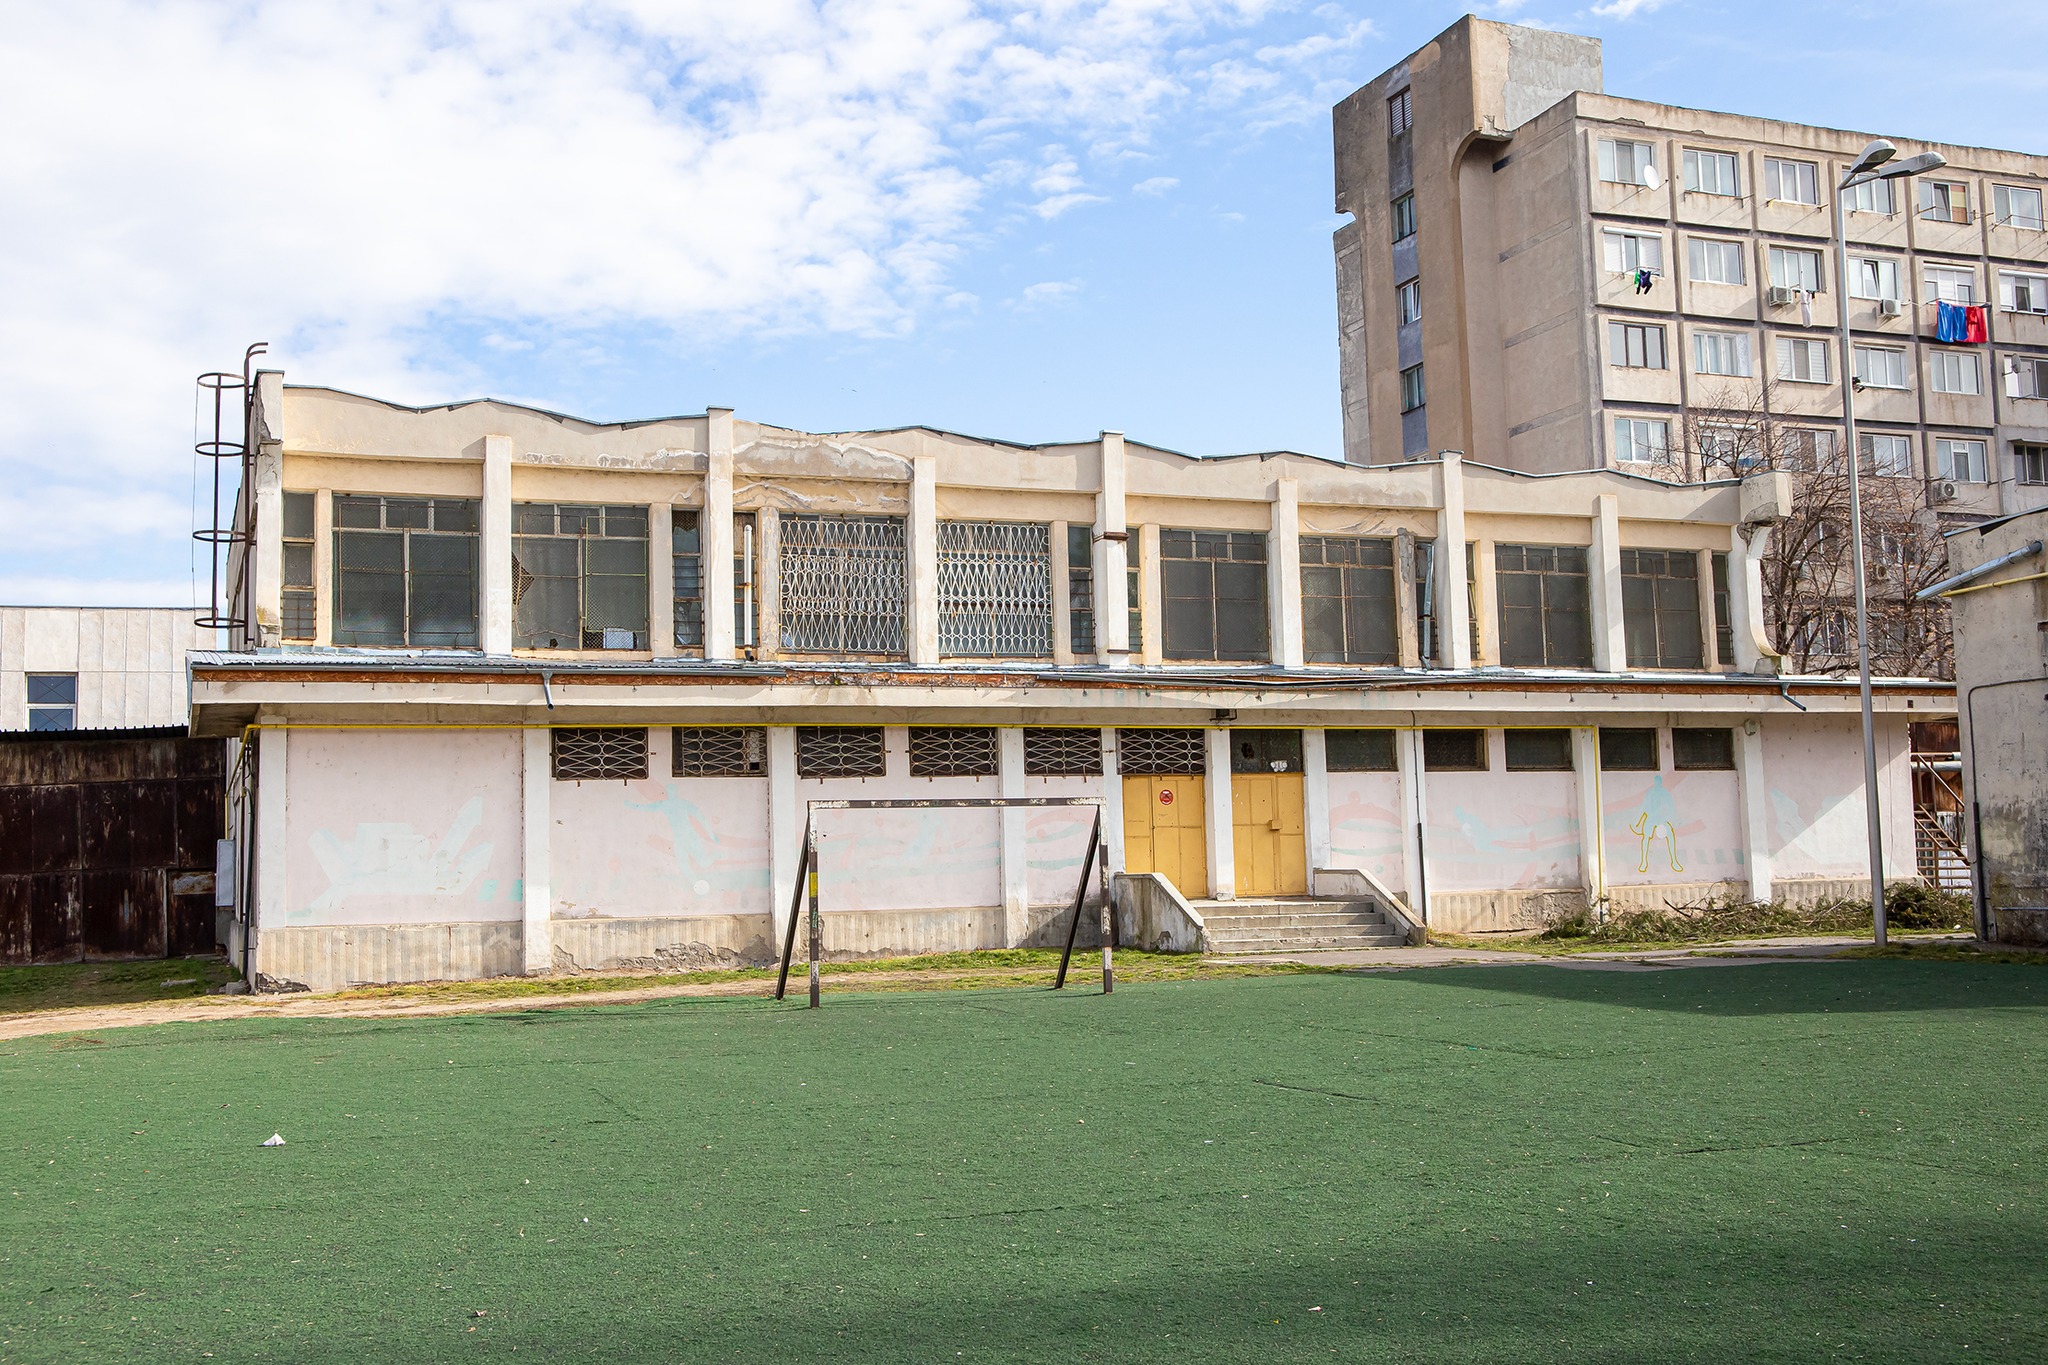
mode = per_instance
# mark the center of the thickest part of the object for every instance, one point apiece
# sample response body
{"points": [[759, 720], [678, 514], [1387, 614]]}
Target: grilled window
{"points": [[579, 576], [995, 589], [719, 751], [1063, 752], [405, 571], [840, 751], [1539, 751], [52, 701], [952, 751], [301, 609], [1160, 753], [1660, 608], [1700, 750], [1265, 751], [600, 753], [1454, 751], [686, 570], [1358, 751], [843, 584], [1081, 589], [1545, 617], [1628, 750], [1348, 601], [1724, 624], [1212, 585]]}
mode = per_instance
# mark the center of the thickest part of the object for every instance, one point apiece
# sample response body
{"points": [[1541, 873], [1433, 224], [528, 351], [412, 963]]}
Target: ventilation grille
{"points": [[720, 751], [952, 751], [1160, 753], [1063, 753], [843, 584], [995, 589], [840, 751], [598, 754]]}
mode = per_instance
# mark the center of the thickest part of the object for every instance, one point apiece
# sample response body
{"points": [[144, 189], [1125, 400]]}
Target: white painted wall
{"points": [[130, 662]]}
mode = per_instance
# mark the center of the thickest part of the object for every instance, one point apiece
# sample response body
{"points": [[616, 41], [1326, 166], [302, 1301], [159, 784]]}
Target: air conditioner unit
{"points": [[1780, 297], [1946, 491], [1890, 308]]}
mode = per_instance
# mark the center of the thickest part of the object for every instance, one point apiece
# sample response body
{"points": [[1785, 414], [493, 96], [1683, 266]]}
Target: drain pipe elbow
{"points": [[1785, 691], [548, 694]]}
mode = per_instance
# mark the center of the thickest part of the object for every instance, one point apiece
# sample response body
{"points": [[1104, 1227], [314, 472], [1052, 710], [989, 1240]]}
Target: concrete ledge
{"points": [[333, 958], [696, 943], [1152, 914], [2021, 926]]}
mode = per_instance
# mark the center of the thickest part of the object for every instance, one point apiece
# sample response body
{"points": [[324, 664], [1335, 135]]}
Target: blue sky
{"points": [[1025, 221]]}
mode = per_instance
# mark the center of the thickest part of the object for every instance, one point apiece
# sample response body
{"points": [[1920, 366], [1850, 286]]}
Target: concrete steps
{"points": [[1296, 925]]}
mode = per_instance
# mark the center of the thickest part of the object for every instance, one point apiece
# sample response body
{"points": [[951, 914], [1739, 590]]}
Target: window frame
{"points": [[1711, 344], [298, 574], [1945, 367], [1683, 736], [1532, 741], [1957, 285], [1627, 340], [1727, 166], [1408, 301], [1945, 201], [1878, 266], [1177, 571], [1976, 459], [1854, 198], [2001, 207], [1675, 629], [1050, 751], [1613, 762], [1620, 242], [1443, 762], [1401, 213], [2030, 463], [809, 628], [1778, 253], [1642, 156], [56, 708], [1414, 389], [2035, 283], [1514, 577], [1891, 467], [1359, 639], [1662, 452], [1807, 173], [620, 753], [1699, 250], [1788, 348], [1360, 749], [1400, 112], [593, 571], [1895, 363], [347, 538]]}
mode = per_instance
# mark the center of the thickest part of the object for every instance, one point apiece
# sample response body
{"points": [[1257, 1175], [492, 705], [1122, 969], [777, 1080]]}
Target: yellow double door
{"points": [[1165, 832]]}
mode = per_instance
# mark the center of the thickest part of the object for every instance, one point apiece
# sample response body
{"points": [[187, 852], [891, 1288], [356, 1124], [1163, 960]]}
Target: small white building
{"points": [[524, 693], [96, 668]]}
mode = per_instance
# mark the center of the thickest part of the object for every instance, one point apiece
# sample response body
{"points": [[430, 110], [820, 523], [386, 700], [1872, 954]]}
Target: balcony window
{"points": [[1947, 284], [405, 571], [1795, 268], [2022, 292], [2017, 206], [1545, 606], [1944, 201], [1711, 173], [1960, 460], [1954, 372], [2026, 376], [1624, 253], [1660, 609], [1791, 182], [1721, 353], [579, 576], [1212, 587], [1626, 163], [1886, 454], [2030, 462], [1348, 600], [1712, 262], [1874, 277], [1802, 361], [1880, 367]]}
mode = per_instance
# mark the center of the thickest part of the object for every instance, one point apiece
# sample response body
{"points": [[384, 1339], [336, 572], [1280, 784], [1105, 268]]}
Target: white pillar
{"points": [[1315, 800], [1610, 639], [1454, 612], [1414, 848], [661, 580], [923, 620], [714, 536], [1152, 609], [323, 566], [271, 901], [785, 828], [1060, 586], [494, 577], [1112, 801], [1592, 824], [1746, 618], [537, 897], [1283, 573], [1754, 794], [1015, 840], [1487, 608], [1221, 840], [268, 600], [1113, 643]]}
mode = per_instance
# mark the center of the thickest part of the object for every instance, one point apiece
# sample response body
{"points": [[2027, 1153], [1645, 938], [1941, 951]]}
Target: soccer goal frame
{"points": [[1096, 860]]}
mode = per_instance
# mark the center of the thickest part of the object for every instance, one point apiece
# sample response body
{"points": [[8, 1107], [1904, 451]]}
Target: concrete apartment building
{"points": [[521, 692], [1490, 299]]}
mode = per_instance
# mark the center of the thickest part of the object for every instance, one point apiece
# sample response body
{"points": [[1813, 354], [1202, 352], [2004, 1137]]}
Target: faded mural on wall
{"points": [[1366, 827], [659, 847], [1502, 831], [1671, 827]]}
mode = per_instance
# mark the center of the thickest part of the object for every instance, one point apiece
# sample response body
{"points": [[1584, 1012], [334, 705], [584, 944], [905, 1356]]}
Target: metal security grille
{"points": [[952, 751], [995, 589], [596, 753], [843, 584], [1063, 752], [1160, 753], [720, 751], [840, 751], [1358, 751], [1660, 609]]}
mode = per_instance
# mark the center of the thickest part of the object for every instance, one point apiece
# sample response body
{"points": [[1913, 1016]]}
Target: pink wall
{"points": [[1671, 827], [1366, 825], [1813, 776], [1055, 839], [1501, 830], [937, 859], [402, 826]]}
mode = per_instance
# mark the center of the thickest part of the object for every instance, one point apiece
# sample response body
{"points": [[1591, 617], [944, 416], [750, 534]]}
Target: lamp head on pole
{"points": [[1875, 155], [1913, 165]]}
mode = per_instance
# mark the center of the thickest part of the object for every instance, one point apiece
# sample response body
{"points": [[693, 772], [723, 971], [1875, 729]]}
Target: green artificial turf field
{"points": [[1514, 1163]]}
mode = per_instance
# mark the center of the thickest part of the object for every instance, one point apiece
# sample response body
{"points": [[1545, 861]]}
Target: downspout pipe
{"points": [[1988, 567], [1785, 692]]}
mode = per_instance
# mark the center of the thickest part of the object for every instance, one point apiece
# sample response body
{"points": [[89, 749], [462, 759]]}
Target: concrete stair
{"points": [[1297, 925]]}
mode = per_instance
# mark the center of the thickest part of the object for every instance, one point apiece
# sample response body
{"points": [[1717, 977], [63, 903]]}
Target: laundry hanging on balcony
{"points": [[1975, 327], [1950, 322], [1644, 278]]}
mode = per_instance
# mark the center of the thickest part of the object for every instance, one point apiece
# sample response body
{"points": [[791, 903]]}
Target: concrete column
{"points": [[1487, 608], [768, 581], [268, 601], [661, 580], [714, 536], [1062, 621], [1152, 610], [1709, 623], [494, 577], [1315, 800], [785, 828], [1603, 562], [1414, 847], [923, 620], [1592, 827], [1404, 600], [323, 567], [1112, 802], [1016, 848], [1753, 653], [271, 900], [1454, 613], [1113, 643], [1221, 840], [1753, 792], [1283, 573], [537, 897]]}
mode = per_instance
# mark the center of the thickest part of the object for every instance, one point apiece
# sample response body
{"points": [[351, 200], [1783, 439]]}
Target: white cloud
{"points": [[1158, 184], [1628, 9], [1048, 293]]}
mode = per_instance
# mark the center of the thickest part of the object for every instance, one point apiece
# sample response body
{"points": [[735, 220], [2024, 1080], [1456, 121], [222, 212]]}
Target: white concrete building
{"points": [[523, 692], [95, 668]]}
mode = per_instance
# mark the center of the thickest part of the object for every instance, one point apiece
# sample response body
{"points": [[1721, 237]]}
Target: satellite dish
{"points": [[1653, 178]]}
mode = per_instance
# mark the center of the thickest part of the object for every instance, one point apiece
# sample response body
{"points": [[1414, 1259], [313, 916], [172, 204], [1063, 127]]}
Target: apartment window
{"points": [[2016, 206], [1062, 751], [1454, 751], [952, 751], [1711, 173], [1874, 277], [1809, 449], [1660, 608], [1795, 268], [2022, 293], [2026, 376], [1944, 201], [2030, 462], [1627, 749], [1641, 440], [1400, 114], [1960, 460], [579, 577], [1724, 605], [301, 608], [1721, 353], [746, 606], [1212, 586], [1802, 361], [1702, 750], [1545, 614], [686, 574], [1627, 252], [1635, 346], [405, 571], [1348, 600], [995, 589], [1626, 163], [840, 751], [1161, 753], [1538, 751], [1412, 393], [1081, 589], [1947, 284], [1358, 751], [1723, 445], [1712, 262], [1825, 635], [52, 701], [1402, 211], [1408, 299], [1791, 182], [719, 751], [1880, 367], [1954, 372], [1873, 196], [1886, 454], [600, 753], [843, 584]]}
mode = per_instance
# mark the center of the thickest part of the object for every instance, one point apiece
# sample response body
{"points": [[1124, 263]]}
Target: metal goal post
{"points": [[1095, 860]]}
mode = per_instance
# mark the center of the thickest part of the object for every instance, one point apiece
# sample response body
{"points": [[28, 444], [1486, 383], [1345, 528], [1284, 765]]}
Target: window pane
{"points": [[297, 516], [1358, 751], [1625, 750], [1539, 751], [52, 689], [369, 583], [1697, 750], [1454, 750]]}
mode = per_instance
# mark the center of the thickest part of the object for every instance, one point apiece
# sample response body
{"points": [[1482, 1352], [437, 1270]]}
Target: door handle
{"points": [[1273, 824]]}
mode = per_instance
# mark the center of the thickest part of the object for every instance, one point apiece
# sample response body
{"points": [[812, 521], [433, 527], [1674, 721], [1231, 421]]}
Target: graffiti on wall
{"points": [[1670, 824], [391, 858]]}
